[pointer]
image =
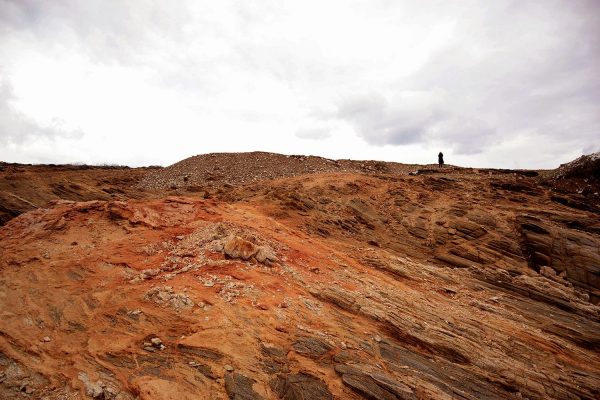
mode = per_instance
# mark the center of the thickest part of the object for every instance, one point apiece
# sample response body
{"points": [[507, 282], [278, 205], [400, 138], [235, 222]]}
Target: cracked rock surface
{"points": [[366, 283]]}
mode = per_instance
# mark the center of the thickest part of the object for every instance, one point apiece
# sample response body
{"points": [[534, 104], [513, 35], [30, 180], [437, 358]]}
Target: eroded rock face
{"points": [[239, 387], [574, 254], [578, 183], [311, 347], [379, 286], [300, 387], [373, 385]]}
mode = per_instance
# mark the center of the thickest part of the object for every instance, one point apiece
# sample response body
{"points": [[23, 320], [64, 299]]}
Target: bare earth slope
{"points": [[465, 284], [27, 187]]}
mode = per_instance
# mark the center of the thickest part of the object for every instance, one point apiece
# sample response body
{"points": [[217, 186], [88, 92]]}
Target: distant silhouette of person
{"points": [[441, 159]]}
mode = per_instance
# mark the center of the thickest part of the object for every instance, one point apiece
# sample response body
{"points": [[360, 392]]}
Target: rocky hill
{"points": [[217, 169], [580, 176], [355, 280]]}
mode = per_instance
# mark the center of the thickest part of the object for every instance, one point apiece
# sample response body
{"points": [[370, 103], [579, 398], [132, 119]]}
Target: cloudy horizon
{"points": [[505, 84]]}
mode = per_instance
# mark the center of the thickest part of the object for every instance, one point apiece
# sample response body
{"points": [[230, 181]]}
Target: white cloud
{"points": [[19, 129], [313, 133], [144, 83]]}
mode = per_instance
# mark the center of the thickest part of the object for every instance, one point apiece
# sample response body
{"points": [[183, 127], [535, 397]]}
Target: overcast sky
{"points": [[509, 84]]}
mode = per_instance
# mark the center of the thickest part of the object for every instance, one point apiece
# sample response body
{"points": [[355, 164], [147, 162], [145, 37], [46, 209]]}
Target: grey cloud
{"points": [[405, 119], [531, 67], [593, 148], [106, 31], [466, 136], [417, 117], [540, 75], [165, 43], [17, 128]]}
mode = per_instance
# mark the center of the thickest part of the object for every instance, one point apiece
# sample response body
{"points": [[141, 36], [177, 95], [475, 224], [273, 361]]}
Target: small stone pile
{"points": [[155, 344], [166, 296]]}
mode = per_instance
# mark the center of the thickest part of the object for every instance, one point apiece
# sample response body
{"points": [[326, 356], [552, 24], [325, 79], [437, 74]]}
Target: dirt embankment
{"points": [[26, 187]]}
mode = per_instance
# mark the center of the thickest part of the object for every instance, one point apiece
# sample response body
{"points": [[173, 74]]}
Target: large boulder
{"points": [[236, 247]]}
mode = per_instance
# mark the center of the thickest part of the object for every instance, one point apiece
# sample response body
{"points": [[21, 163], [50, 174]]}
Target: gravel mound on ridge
{"points": [[244, 168]]}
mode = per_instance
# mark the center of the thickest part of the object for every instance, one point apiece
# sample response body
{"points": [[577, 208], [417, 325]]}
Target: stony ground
{"points": [[223, 169], [345, 284]]}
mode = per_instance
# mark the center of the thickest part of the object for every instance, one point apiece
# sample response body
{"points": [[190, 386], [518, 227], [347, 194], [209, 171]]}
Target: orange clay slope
{"points": [[459, 284]]}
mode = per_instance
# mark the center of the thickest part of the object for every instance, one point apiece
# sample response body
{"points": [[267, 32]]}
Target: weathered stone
{"points": [[311, 347], [454, 261], [467, 229], [272, 351], [337, 296], [300, 386], [236, 247], [265, 255], [274, 360], [448, 377], [349, 356], [239, 387], [373, 386], [204, 352], [575, 253]]}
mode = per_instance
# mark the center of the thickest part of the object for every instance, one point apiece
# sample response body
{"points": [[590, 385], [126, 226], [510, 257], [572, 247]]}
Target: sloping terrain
{"points": [[459, 283], [26, 187], [579, 180]]}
